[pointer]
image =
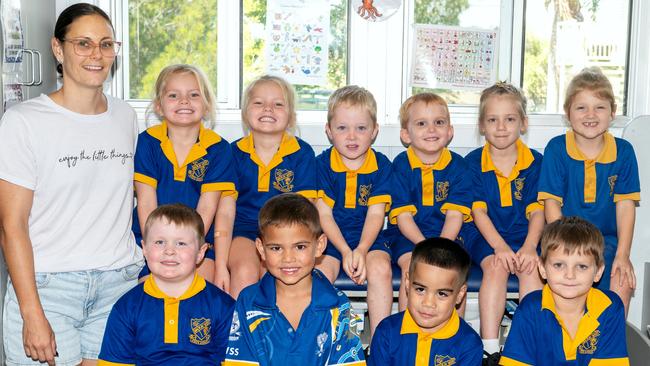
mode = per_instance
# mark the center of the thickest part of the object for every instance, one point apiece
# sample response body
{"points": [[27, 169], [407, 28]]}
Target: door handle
{"points": [[40, 68], [29, 52]]}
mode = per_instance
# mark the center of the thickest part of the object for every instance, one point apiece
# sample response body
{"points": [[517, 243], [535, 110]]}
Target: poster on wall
{"points": [[449, 57], [12, 31], [297, 40], [12, 94]]}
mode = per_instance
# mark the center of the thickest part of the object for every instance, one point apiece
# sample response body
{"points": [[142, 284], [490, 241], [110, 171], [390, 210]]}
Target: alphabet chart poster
{"points": [[297, 42], [453, 57]]}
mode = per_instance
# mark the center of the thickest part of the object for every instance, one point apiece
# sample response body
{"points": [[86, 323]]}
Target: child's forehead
{"points": [[433, 276], [423, 107], [561, 252], [283, 232]]}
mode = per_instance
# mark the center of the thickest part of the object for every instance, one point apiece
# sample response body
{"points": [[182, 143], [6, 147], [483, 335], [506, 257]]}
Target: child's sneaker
{"points": [[491, 359]]}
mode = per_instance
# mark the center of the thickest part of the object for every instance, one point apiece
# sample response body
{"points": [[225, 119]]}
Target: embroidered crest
{"points": [[442, 191], [283, 180], [612, 182], [589, 346], [364, 193], [234, 328], [519, 186], [197, 169], [200, 331], [444, 360], [320, 341]]}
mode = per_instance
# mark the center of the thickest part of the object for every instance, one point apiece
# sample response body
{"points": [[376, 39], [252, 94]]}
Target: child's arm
{"points": [[502, 252], [147, 201], [223, 227], [552, 210], [371, 227], [207, 207], [625, 216], [452, 225], [346, 348], [409, 228], [527, 254], [333, 232]]}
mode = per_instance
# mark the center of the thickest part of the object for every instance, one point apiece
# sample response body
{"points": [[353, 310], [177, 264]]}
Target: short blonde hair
{"points": [[287, 92], [573, 234], [426, 98], [354, 96], [592, 79], [207, 94], [502, 88]]}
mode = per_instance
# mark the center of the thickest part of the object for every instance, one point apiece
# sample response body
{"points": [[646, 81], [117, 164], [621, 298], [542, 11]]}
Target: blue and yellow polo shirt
{"points": [[147, 327], [538, 336], [292, 169], [208, 167], [350, 192], [590, 188], [261, 335], [399, 341], [508, 200], [428, 191]]}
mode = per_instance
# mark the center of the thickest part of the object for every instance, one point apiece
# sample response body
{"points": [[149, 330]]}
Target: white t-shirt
{"points": [[80, 168]]}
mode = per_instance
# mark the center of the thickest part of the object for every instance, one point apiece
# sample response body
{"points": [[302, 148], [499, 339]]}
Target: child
{"points": [[569, 322], [175, 316], [269, 161], [591, 174], [181, 161], [293, 316], [505, 209], [354, 198], [430, 332], [432, 191]]}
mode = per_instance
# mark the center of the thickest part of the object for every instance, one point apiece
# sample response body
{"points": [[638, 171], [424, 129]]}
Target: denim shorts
{"points": [[76, 304]]}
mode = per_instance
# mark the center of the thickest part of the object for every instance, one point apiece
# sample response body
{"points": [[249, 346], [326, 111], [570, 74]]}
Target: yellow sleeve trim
{"points": [[479, 204], [392, 216], [506, 361], [636, 196], [467, 213], [541, 196], [610, 362], [238, 363], [532, 208], [108, 363], [385, 198], [145, 179], [311, 193], [221, 186], [328, 201]]}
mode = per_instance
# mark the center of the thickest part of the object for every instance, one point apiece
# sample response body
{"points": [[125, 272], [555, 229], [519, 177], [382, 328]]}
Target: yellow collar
{"points": [[607, 154], [207, 138], [369, 164], [443, 160], [288, 145], [524, 159], [409, 326], [151, 289]]}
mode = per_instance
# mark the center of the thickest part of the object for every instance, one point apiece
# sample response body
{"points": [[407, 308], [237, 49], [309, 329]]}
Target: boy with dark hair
{"points": [[569, 322], [293, 315], [430, 332]]}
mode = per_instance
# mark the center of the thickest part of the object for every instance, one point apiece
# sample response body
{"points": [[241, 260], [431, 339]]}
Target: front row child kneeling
{"points": [[293, 315], [174, 316], [569, 322], [430, 332]]}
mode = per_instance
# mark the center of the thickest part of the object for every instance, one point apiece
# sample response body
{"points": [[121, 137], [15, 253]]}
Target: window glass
{"points": [[165, 32], [310, 97], [484, 14], [565, 36]]}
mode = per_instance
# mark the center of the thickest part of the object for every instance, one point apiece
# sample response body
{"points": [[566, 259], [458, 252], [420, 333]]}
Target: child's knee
{"points": [[379, 269]]}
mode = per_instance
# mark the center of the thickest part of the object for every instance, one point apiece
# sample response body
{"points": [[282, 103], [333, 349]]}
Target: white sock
{"points": [[491, 345]]}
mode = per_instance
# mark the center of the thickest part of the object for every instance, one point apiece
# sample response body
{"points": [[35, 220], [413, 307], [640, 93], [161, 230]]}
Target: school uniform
{"points": [[538, 336], [427, 192], [147, 327], [399, 341], [261, 335], [350, 192], [292, 169], [590, 188]]}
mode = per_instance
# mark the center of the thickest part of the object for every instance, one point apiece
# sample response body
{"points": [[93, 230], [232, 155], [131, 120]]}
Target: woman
{"points": [[66, 197]]}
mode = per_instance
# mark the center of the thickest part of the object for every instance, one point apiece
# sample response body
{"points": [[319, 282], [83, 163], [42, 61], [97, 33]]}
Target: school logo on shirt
{"points": [[444, 360], [442, 191], [234, 328], [197, 169], [320, 342], [283, 180], [519, 186], [589, 346], [364, 194], [612, 182], [200, 331]]}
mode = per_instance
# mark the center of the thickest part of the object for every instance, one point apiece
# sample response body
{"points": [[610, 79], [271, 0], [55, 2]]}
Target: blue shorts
{"points": [[247, 233], [400, 245], [605, 280], [381, 243], [76, 305]]}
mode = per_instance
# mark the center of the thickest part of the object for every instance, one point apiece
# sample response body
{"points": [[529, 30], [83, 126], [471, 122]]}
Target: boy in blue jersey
{"points": [[354, 196], [430, 332], [175, 316], [293, 315], [432, 191], [569, 322]]}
